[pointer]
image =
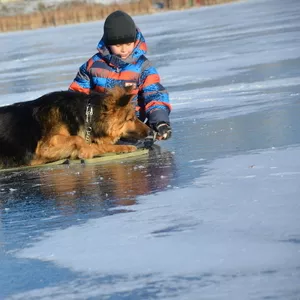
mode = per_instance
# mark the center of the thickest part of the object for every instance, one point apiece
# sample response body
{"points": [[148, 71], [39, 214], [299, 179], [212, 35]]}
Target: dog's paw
{"points": [[86, 152], [127, 148]]}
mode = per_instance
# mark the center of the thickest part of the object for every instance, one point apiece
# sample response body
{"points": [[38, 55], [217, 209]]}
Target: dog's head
{"points": [[117, 118]]}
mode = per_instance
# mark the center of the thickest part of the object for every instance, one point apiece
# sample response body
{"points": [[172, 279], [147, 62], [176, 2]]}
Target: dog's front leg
{"points": [[88, 151], [107, 145], [102, 149], [59, 147]]}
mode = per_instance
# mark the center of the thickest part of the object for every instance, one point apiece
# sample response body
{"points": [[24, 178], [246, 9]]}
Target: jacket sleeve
{"points": [[155, 96], [82, 81]]}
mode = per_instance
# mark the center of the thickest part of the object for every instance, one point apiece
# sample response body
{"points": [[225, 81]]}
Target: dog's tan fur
{"points": [[114, 117]]}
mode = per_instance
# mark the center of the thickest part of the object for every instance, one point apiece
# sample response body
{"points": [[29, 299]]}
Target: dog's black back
{"points": [[23, 124]]}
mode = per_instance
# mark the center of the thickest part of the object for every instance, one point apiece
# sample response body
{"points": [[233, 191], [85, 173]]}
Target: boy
{"points": [[121, 61]]}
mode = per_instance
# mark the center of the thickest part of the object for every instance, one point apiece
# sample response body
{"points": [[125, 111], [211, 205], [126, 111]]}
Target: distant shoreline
{"points": [[81, 13]]}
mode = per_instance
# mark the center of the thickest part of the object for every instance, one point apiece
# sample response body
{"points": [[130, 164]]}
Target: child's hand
{"points": [[164, 131]]}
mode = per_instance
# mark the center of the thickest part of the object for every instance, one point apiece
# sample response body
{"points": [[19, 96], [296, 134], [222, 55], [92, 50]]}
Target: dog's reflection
{"points": [[109, 184]]}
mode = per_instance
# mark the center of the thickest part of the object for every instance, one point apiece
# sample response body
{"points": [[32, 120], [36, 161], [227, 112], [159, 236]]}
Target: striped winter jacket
{"points": [[105, 70]]}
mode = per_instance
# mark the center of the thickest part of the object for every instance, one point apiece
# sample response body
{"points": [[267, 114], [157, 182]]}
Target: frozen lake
{"points": [[211, 214]]}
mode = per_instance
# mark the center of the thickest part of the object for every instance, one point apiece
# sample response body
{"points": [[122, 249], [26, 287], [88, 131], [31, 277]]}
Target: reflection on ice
{"points": [[117, 182], [245, 228]]}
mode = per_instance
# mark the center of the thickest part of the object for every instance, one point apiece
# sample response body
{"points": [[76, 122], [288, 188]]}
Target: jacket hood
{"points": [[140, 48]]}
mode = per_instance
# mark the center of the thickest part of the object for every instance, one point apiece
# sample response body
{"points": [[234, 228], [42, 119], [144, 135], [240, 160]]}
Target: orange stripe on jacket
{"points": [[153, 103], [124, 75], [89, 64], [99, 89], [151, 79], [143, 46], [77, 88]]}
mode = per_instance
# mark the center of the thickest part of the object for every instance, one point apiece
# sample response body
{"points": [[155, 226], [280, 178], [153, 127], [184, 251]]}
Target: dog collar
{"points": [[88, 122]]}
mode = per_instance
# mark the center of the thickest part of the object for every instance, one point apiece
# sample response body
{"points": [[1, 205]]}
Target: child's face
{"points": [[122, 50]]}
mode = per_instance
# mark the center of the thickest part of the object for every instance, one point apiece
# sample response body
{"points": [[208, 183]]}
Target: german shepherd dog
{"points": [[68, 124]]}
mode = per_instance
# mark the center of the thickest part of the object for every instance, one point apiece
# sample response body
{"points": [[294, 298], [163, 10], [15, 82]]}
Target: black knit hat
{"points": [[119, 28]]}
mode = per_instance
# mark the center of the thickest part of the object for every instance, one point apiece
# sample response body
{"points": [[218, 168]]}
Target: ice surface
{"points": [[213, 214]]}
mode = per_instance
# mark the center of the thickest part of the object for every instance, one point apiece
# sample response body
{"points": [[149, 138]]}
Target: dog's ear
{"points": [[124, 100], [119, 96], [126, 97], [128, 89]]}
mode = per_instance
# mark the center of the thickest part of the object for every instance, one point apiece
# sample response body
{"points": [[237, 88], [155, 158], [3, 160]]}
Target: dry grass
{"points": [[80, 12]]}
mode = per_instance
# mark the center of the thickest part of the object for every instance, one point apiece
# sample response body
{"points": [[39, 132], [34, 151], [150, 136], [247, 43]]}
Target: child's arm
{"points": [[155, 96], [82, 81]]}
